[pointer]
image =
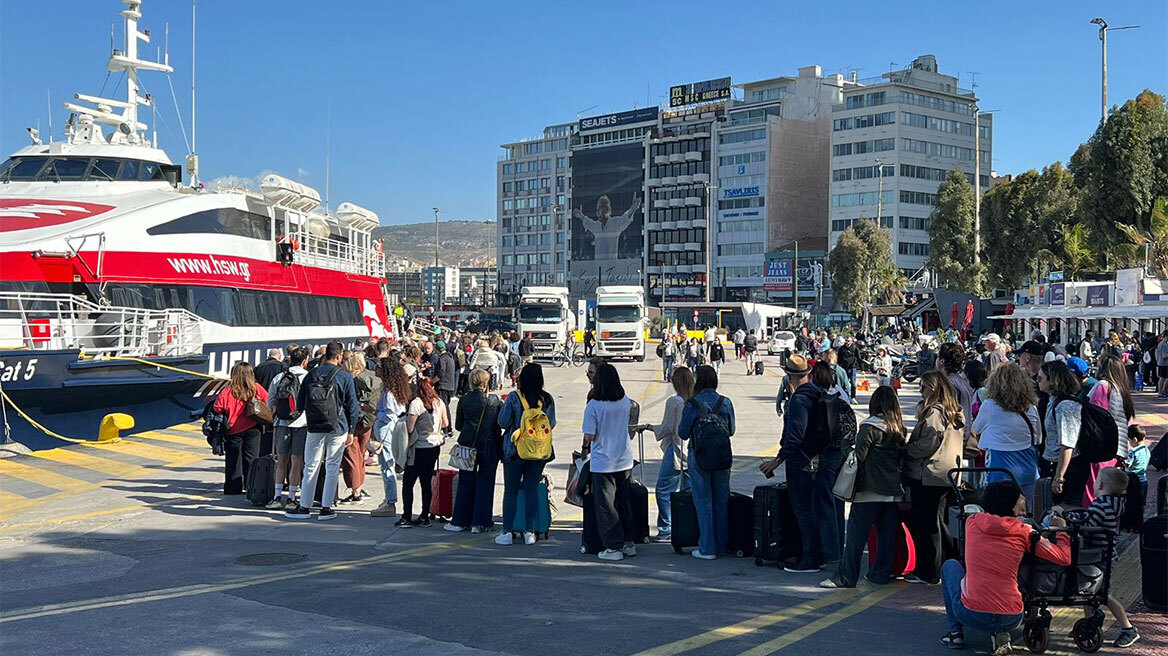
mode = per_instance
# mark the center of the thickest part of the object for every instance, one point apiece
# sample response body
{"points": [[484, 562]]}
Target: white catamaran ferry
{"points": [[124, 290]]}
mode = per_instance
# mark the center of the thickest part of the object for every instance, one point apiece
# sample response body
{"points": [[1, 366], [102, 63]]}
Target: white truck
{"points": [[620, 322], [544, 313]]}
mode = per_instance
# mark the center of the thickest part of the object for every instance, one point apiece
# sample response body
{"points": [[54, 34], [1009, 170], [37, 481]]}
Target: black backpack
{"points": [[1098, 434], [841, 422], [287, 391], [321, 404], [711, 438], [661, 350]]}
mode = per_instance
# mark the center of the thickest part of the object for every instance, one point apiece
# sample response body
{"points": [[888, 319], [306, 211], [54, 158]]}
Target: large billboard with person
{"points": [[607, 217]]}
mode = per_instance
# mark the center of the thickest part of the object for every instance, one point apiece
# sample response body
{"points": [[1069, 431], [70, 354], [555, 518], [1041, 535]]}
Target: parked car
{"points": [[781, 341]]}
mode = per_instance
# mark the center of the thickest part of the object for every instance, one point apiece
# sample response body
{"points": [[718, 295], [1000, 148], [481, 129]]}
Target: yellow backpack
{"points": [[533, 438]]}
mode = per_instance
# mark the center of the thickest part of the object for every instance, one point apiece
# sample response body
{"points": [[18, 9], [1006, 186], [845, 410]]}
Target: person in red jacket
{"points": [[986, 597], [242, 445]]}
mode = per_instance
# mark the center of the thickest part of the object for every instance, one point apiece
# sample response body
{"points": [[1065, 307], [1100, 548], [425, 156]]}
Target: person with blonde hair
{"points": [[671, 477], [242, 445], [476, 420], [934, 447], [1008, 427], [368, 387], [487, 359]]}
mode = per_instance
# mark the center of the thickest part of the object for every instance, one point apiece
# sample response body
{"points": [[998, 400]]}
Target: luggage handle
{"points": [[954, 476]]}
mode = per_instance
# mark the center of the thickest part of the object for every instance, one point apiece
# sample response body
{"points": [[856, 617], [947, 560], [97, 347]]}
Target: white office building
{"points": [[894, 139], [439, 285], [533, 177]]}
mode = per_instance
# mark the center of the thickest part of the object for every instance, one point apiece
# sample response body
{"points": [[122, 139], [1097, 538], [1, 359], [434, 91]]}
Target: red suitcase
{"points": [[442, 486], [905, 558]]}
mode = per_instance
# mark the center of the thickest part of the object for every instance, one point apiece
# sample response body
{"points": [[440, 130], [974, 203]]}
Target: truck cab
{"points": [[620, 322], [544, 313]]}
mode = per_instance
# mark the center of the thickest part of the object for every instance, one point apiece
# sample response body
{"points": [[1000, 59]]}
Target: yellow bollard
{"points": [[112, 424]]}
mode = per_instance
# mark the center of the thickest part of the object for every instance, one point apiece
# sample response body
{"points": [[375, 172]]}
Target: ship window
{"points": [[130, 170], [22, 168], [213, 304], [104, 169], [61, 169], [236, 307], [223, 221], [150, 171]]}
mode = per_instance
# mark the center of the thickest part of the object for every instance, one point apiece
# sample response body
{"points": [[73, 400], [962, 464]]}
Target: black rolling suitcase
{"points": [[684, 521], [638, 502], [740, 516], [776, 532], [261, 476], [758, 368], [1154, 562]]}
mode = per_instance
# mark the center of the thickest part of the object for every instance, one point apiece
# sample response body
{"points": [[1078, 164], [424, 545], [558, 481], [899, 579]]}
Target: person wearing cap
{"points": [[802, 442], [1031, 357], [995, 355], [1082, 372]]}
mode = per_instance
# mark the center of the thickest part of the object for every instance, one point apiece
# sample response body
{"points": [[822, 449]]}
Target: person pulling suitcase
{"points": [[607, 439], [707, 422]]}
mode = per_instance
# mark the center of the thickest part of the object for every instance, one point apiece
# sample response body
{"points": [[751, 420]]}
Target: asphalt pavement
{"points": [[153, 560]]}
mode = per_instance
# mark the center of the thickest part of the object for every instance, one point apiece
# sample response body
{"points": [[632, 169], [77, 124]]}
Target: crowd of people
{"points": [[1013, 409]]}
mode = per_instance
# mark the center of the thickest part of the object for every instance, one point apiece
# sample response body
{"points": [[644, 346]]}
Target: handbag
{"points": [[399, 441], [845, 481], [577, 480], [462, 456], [258, 411]]}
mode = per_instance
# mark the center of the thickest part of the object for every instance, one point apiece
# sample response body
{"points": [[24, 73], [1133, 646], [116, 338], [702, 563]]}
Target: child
{"points": [[1104, 512], [1138, 456]]}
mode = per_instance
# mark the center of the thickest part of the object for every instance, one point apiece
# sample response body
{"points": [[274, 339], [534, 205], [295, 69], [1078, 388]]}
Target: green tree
{"points": [[1123, 173], [1151, 243], [951, 237], [862, 269], [1010, 235], [1052, 203]]}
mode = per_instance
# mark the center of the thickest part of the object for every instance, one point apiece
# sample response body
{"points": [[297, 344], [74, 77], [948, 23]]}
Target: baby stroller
{"points": [[1085, 582], [969, 498]]}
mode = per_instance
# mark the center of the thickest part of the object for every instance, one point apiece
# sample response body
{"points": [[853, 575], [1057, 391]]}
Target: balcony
{"points": [[661, 159], [676, 158], [701, 177], [669, 180], [693, 156], [693, 200], [684, 179], [676, 202]]}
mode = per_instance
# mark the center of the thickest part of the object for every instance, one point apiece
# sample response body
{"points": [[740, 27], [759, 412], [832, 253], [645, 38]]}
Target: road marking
{"points": [[854, 608], [162, 594], [73, 518], [103, 465], [149, 451], [173, 439], [187, 428], [748, 626], [17, 469]]}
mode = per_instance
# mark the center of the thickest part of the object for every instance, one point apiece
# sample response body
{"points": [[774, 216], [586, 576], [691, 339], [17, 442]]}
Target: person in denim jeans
{"points": [[711, 489], [671, 477], [519, 474], [391, 408], [811, 469], [983, 594]]}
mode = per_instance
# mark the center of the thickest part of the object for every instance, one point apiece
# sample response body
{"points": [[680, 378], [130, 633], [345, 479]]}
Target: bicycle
{"points": [[561, 356]]}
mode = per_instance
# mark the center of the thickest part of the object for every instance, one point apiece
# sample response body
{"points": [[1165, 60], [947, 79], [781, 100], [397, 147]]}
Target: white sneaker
{"points": [[452, 528], [528, 537], [504, 538], [476, 529], [610, 554], [629, 550], [697, 554]]}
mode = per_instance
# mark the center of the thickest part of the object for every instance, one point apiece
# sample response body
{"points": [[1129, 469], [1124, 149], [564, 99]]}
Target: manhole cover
{"points": [[269, 559]]}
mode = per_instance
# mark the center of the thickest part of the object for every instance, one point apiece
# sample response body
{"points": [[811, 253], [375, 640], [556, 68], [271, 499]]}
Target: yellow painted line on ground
{"points": [[7, 498], [811, 628], [187, 428], [25, 472], [748, 626], [74, 518], [150, 451], [104, 465], [173, 439], [178, 592]]}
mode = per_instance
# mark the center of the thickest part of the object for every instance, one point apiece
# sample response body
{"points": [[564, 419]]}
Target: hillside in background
{"points": [[464, 243]]}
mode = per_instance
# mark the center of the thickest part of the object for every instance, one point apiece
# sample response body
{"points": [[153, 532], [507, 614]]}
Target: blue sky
{"points": [[422, 94]]}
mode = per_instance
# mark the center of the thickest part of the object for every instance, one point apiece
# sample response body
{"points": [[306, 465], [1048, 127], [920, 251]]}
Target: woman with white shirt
{"points": [[883, 366], [426, 422], [1063, 421], [1007, 427], [391, 409], [671, 477], [606, 436]]}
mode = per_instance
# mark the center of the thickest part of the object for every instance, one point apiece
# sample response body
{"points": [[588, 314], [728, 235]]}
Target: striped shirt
{"points": [[1104, 512]]}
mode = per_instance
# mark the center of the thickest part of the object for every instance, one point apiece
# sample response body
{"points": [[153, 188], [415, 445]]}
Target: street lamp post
{"points": [[1103, 27]]}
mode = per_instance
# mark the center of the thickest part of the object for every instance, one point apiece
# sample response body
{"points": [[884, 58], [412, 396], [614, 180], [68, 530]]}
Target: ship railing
{"points": [[63, 321], [341, 256]]}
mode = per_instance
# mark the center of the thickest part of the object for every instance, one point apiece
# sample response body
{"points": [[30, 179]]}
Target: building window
{"points": [[545, 183], [740, 137], [864, 121], [735, 204], [941, 104], [740, 249], [507, 260], [506, 223], [913, 248], [506, 241], [508, 205], [545, 164], [937, 124], [861, 173], [918, 198], [508, 169], [545, 220], [545, 239], [742, 158], [507, 187], [561, 162], [532, 221], [864, 198], [545, 258], [914, 223], [532, 184]]}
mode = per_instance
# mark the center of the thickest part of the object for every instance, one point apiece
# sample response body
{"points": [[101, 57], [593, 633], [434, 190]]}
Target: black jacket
{"points": [[472, 432], [267, 372], [804, 433], [447, 372], [526, 347], [849, 356]]}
